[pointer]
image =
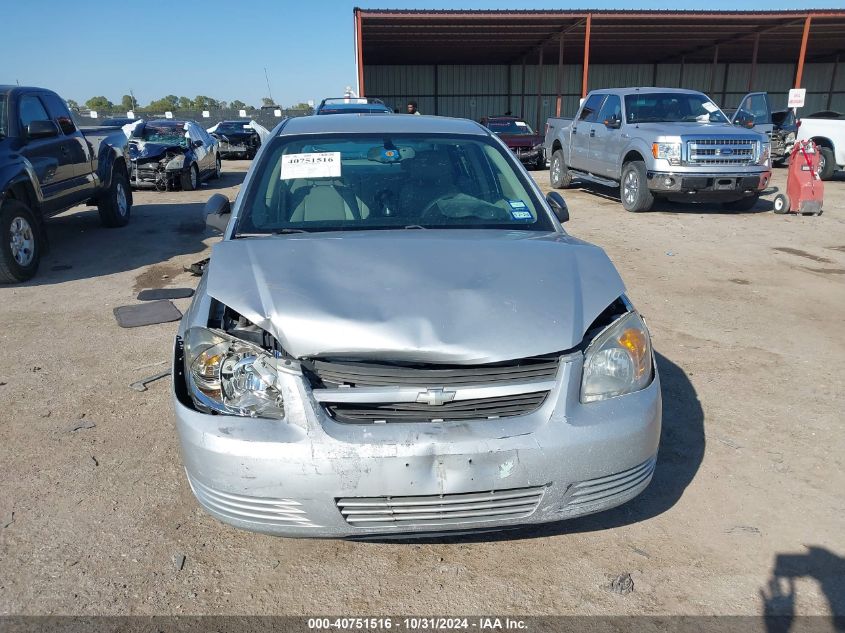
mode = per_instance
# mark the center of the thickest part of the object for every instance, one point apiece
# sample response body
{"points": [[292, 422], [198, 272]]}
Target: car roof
{"points": [[379, 124], [643, 89]]}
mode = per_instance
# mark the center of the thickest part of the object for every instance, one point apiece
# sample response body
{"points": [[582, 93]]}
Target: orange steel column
{"points": [[586, 72], [359, 53], [539, 110], [803, 53]]}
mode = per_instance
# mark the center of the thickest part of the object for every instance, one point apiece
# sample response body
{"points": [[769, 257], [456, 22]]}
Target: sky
{"points": [[220, 48]]}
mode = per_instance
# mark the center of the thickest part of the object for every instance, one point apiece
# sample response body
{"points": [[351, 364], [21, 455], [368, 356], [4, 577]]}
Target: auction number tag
{"points": [[314, 165], [710, 107]]}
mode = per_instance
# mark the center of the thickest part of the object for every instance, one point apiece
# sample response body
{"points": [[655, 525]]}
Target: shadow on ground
{"points": [[764, 205], [681, 453], [779, 595]]}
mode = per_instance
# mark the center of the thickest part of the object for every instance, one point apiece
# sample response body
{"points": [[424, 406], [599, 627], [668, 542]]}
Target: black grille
{"points": [[331, 374], [476, 409]]}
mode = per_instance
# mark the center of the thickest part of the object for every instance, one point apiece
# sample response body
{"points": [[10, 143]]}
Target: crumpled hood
{"points": [[458, 296], [140, 150]]}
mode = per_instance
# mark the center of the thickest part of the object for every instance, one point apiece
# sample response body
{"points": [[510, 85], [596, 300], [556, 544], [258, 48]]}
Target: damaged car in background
{"points": [[169, 155], [397, 337], [520, 138], [237, 139]]}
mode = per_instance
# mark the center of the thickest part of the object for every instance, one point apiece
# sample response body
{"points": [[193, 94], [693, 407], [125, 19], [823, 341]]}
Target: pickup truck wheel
{"points": [[20, 248], [218, 168], [827, 163], [743, 204], [634, 187], [558, 173], [114, 206], [191, 180]]}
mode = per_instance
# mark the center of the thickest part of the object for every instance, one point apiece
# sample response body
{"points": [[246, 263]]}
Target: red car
{"points": [[520, 138]]}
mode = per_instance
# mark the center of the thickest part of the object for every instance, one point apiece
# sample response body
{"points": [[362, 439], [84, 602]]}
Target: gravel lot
{"points": [[746, 511]]}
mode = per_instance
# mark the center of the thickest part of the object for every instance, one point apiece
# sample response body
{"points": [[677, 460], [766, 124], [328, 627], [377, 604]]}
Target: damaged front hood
{"points": [[521, 140], [139, 150], [457, 296]]}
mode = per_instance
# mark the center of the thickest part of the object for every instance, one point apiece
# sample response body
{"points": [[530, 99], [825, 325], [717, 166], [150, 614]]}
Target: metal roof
{"points": [[380, 124], [451, 36]]}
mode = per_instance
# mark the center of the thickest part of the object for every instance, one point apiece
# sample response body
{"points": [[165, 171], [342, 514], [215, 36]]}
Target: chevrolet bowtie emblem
{"points": [[435, 397]]}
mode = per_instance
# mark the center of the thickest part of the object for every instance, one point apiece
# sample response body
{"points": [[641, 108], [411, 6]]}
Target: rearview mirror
{"points": [[218, 212], [558, 205], [42, 129]]}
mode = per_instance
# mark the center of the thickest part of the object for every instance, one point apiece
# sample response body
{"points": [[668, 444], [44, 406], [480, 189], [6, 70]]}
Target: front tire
{"points": [[559, 175], [827, 163], [218, 168], [743, 204], [21, 243], [191, 180], [115, 206], [633, 190]]}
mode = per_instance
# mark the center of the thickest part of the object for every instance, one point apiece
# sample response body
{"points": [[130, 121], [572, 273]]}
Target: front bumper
{"points": [[310, 476], [154, 175], [529, 154], [731, 184]]}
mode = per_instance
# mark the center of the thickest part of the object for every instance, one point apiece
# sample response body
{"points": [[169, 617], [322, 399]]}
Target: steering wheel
{"points": [[428, 208]]}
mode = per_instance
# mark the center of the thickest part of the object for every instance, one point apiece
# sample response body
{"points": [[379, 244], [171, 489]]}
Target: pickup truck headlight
{"points": [[667, 151], [618, 360], [765, 151], [231, 376]]}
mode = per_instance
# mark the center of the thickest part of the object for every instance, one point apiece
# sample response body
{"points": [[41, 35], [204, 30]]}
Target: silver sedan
{"points": [[396, 336]]}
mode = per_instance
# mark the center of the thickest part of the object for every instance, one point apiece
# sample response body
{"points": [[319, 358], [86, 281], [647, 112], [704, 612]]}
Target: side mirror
{"points": [[42, 129], [743, 119], [558, 205], [613, 124], [218, 211], [197, 143]]}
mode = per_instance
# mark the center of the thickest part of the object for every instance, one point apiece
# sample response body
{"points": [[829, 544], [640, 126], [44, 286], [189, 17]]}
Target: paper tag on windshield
{"points": [[521, 124], [709, 106], [315, 165]]}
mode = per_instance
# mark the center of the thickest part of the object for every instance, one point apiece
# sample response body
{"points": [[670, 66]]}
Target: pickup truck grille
{"points": [[721, 151]]}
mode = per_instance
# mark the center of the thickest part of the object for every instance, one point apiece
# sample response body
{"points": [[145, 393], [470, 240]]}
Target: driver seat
{"points": [[430, 176]]}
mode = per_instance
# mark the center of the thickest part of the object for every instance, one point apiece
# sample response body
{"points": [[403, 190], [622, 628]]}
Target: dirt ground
{"points": [[746, 512]]}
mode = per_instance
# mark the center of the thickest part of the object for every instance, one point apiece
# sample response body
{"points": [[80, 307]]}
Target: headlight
{"points": [[176, 163], [618, 361], [765, 150], [232, 376], [667, 151]]}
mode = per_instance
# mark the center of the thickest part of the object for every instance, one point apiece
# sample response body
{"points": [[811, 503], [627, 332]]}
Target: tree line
{"points": [[172, 102]]}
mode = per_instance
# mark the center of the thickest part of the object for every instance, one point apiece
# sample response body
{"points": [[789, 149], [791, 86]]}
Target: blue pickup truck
{"points": [[47, 166]]}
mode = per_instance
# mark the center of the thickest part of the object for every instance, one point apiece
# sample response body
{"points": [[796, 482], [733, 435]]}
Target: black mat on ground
{"points": [[146, 314], [165, 293]]}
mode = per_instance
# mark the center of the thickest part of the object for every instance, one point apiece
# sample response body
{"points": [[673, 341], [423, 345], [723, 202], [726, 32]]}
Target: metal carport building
{"points": [[539, 63]]}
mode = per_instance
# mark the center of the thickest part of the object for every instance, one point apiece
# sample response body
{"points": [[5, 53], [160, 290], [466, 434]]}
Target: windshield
{"points": [[353, 109], [166, 134], [509, 126], [4, 129], [671, 107], [388, 182], [233, 126]]}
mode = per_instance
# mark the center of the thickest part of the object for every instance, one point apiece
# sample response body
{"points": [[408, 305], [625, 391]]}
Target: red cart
{"points": [[804, 189]]}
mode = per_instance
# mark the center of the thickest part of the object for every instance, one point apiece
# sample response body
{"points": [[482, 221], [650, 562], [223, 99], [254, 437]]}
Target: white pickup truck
{"points": [[827, 131]]}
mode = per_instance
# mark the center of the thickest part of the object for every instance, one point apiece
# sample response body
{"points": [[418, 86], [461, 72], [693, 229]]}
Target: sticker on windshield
{"points": [[313, 165], [709, 106], [519, 210], [521, 123]]}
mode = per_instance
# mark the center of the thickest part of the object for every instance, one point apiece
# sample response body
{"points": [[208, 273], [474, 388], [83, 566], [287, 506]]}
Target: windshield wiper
{"points": [[287, 230], [414, 226]]}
